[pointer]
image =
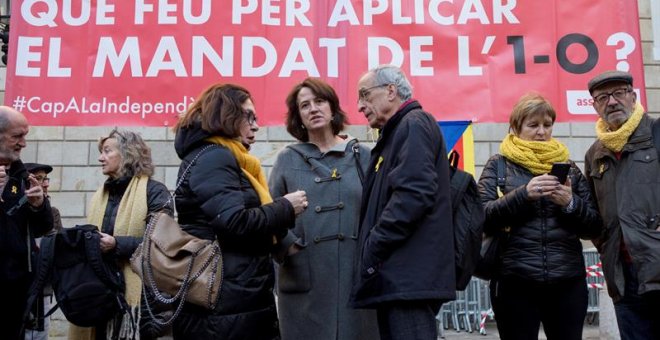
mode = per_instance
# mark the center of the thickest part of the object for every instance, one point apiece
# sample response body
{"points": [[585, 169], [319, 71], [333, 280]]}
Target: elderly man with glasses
{"points": [[623, 170], [406, 266], [40, 173]]}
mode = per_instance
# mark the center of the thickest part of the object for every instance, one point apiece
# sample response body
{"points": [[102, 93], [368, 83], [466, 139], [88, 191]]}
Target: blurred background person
{"points": [[541, 277], [120, 208], [315, 275], [225, 195], [40, 172]]}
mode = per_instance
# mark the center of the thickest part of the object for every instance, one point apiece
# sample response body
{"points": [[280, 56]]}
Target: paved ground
{"points": [[590, 332]]}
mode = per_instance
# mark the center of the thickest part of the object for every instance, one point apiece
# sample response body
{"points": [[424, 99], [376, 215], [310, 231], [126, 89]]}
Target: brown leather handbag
{"points": [[176, 266]]}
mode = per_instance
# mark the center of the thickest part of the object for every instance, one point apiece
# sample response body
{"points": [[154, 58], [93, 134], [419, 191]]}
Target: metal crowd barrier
{"points": [[595, 282], [469, 311]]}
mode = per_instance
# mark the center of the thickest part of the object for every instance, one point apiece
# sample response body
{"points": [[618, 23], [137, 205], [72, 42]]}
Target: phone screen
{"points": [[560, 170]]}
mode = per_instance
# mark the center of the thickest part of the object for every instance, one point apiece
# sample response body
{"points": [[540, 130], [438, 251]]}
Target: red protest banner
{"points": [[108, 62]]}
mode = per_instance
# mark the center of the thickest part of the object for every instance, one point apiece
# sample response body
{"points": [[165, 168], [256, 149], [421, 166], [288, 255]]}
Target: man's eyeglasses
{"points": [[364, 93], [619, 95], [251, 117], [42, 179]]}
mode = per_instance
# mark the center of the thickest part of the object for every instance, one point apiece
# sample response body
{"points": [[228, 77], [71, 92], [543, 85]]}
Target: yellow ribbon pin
{"points": [[14, 189], [334, 173], [380, 160], [602, 168]]}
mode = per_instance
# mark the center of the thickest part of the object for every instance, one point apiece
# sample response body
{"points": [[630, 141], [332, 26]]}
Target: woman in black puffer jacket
{"points": [[541, 274], [224, 195]]}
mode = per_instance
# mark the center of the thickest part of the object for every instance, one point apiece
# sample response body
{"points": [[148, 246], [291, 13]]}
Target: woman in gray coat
{"points": [[316, 264]]}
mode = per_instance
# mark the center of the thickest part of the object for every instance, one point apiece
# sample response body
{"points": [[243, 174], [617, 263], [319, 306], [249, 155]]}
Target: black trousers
{"points": [[14, 303], [637, 315], [521, 305]]}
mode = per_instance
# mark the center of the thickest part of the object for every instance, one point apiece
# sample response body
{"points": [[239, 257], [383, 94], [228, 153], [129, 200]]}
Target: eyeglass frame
{"points": [[606, 99], [363, 93], [250, 117], [43, 179]]}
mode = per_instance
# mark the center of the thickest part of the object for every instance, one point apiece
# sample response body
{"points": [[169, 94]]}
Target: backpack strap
{"points": [[655, 130], [91, 240], [501, 173], [459, 179], [47, 254]]}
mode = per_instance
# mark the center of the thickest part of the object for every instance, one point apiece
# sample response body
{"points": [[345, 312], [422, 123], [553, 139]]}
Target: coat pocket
{"points": [[294, 274], [645, 165]]}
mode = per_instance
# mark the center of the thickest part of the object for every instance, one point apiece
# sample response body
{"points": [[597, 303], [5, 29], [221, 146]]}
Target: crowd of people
{"points": [[346, 242]]}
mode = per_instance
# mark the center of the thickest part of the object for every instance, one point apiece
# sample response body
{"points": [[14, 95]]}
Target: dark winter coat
{"points": [[314, 284], [17, 232], [628, 196], [17, 246], [216, 200], [406, 232], [544, 240]]}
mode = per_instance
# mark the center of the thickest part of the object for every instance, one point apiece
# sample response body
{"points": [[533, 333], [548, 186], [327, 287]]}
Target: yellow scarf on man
{"points": [[535, 156], [130, 221], [250, 165], [615, 140]]}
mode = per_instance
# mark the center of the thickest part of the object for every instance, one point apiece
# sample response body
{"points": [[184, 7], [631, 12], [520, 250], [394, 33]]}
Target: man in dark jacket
{"points": [[623, 170], [406, 267], [40, 172], [24, 214]]}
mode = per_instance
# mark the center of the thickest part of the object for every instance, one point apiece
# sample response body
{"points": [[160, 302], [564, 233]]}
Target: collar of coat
{"points": [[396, 118]]}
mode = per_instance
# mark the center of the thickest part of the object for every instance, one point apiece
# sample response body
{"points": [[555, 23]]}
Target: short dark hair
{"points": [[218, 109], [322, 90], [528, 105]]}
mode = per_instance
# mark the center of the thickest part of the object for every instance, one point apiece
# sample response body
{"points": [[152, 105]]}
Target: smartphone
{"points": [[560, 170]]}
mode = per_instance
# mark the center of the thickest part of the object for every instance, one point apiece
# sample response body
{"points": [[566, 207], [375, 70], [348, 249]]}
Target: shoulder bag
{"points": [[493, 245], [176, 266]]}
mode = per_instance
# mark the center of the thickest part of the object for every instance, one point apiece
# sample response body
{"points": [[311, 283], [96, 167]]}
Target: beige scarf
{"points": [[615, 140], [535, 156], [130, 221]]}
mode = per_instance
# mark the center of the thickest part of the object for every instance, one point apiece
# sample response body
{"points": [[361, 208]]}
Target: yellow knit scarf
{"points": [[536, 156], [615, 140], [250, 165], [130, 221]]}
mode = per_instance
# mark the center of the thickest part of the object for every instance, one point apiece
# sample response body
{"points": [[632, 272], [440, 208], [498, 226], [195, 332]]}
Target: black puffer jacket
{"points": [[217, 200], [544, 242]]}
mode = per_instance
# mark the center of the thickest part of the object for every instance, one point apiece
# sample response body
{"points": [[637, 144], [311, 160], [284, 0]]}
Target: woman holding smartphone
{"points": [[541, 273]]}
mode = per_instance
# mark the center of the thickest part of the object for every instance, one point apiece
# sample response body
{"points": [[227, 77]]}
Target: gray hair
{"points": [[390, 74], [135, 153]]}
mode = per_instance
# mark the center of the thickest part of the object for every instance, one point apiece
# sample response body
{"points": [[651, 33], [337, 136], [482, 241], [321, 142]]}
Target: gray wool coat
{"points": [[313, 285]]}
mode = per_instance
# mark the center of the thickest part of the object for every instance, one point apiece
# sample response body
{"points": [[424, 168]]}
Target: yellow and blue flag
{"points": [[458, 136]]}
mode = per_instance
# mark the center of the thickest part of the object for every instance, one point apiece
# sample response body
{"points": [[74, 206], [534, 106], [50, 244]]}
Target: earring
{"points": [[302, 126]]}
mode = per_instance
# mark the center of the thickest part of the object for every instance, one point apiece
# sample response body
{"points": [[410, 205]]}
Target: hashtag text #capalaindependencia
{"points": [[104, 106]]}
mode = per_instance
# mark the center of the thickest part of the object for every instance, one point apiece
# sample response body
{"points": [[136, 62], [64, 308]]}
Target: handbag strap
{"points": [[183, 176], [356, 153]]}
